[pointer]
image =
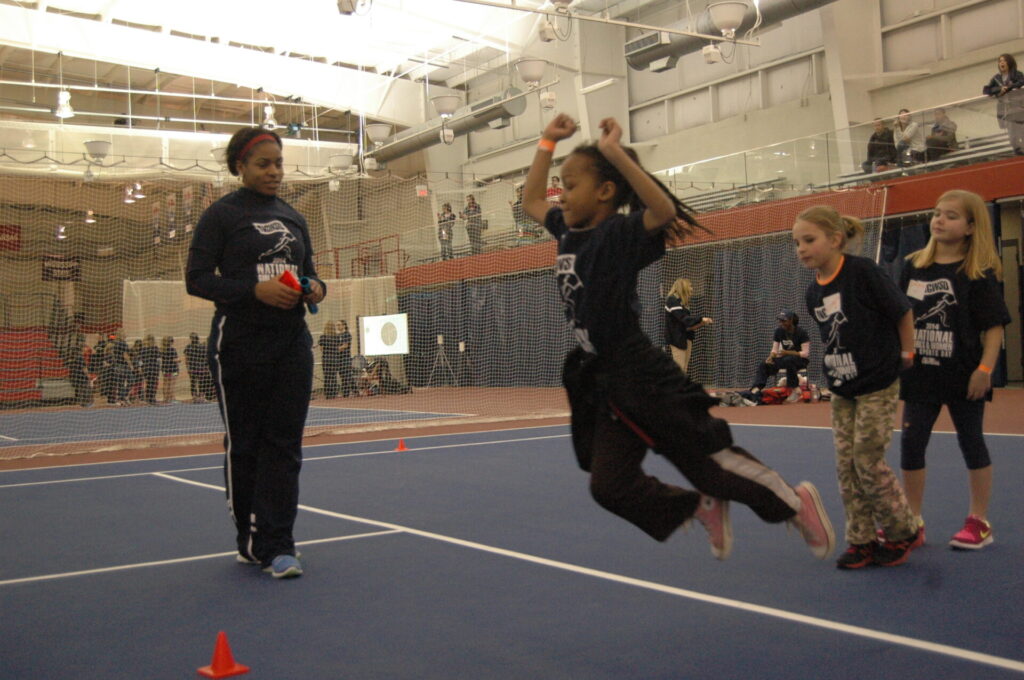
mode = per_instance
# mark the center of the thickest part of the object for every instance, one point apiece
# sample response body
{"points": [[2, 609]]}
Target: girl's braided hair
{"points": [[686, 220]]}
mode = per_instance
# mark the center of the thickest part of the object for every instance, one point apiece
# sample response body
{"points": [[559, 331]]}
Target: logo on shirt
{"points": [[570, 285], [933, 337], [839, 363], [284, 239]]}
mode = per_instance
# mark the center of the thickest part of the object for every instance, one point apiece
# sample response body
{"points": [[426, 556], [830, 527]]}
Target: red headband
{"points": [[265, 137]]}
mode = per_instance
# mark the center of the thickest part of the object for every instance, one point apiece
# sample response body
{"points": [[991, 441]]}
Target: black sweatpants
{"points": [[790, 364], [264, 409], [638, 399]]}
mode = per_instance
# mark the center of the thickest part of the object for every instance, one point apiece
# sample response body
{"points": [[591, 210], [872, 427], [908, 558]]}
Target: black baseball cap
{"points": [[785, 315]]}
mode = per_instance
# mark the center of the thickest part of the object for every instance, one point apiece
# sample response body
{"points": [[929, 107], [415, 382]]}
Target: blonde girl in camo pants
{"points": [[867, 330]]}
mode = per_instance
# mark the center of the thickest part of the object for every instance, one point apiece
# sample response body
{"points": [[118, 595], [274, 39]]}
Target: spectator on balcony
{"points": [[909, 138], [445, 230], [942, 138], [1008, 87], [881, 149], [475, 224]]}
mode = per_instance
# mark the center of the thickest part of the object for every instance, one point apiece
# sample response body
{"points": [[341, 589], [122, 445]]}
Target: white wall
{"points": [[823, 70]]}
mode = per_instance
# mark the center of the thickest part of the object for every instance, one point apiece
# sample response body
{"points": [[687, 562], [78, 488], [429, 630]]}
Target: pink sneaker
{"points": [[813, 521], [713, 513], [976, 534]]}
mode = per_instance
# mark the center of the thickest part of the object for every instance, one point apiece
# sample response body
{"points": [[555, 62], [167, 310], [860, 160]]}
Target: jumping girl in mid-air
{"points": [[626, 394]]}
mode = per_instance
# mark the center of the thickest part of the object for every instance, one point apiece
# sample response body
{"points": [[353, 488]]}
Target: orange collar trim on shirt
{"points": [[842, 261]]}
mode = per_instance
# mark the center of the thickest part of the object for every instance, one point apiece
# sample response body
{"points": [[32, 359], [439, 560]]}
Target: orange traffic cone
{"points": [[401, 445], [223, 664]]}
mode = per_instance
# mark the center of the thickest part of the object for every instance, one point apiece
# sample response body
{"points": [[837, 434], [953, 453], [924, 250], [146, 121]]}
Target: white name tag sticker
{"points": [[915, 289], [832, 303]]}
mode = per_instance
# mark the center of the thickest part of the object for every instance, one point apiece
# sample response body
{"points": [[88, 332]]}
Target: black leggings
{"points": [[918, 419]]}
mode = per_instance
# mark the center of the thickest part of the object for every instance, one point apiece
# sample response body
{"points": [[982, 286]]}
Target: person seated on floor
{"points": [[881, 149], [791, 352], [942, 137], [376, 378]]}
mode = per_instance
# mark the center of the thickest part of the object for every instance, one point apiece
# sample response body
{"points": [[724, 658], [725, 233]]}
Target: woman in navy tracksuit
{"points": [[260, 349]]}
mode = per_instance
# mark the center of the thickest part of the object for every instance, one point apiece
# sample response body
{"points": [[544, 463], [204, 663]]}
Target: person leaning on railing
{"points": [[1007, 85]]}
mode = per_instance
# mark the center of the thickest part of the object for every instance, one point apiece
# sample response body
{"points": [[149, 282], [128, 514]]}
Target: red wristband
{"points": [[984, 369], [546, 145], [907, 355]]}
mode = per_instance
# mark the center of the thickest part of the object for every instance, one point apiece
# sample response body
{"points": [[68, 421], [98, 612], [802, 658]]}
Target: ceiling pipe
{"points": [[494, 112], [772, 11]]}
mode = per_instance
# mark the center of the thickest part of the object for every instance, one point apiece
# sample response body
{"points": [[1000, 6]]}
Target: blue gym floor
{"points": [[482, 556]]}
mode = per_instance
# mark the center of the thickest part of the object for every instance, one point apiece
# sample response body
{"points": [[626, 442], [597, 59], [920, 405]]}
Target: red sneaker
{"points": [[976, 534]]}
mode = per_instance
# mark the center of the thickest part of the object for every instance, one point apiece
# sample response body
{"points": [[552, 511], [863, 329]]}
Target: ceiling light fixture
{"points": [[97, 149], [727, 16], [340, 162], [446, 104], [63, 109], [378, 132], [531, 71], [269, 122]]}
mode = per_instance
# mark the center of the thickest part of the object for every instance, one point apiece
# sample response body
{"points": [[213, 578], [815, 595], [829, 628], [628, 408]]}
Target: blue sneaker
{"points": [[284, 566]]}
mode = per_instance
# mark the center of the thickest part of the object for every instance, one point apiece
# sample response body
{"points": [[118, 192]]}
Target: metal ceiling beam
{"points": [[615, 22]]}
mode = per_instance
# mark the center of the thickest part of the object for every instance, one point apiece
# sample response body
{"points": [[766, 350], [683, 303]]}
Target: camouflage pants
{"points": [[871, 492]]}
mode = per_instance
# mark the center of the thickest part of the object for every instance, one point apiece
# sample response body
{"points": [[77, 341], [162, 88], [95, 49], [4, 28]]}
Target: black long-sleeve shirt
{"points": [[244, 238]]}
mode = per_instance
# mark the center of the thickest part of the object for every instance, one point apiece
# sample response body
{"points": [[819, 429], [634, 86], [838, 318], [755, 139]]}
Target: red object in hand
{"points": [[288, 279]]}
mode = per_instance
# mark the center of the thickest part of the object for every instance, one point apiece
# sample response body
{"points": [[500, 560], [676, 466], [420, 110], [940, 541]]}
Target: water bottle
{"points": [[815, 393]]}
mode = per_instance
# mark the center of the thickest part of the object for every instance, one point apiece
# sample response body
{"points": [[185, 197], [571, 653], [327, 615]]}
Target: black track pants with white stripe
{"points": [[264, 409], [638, 399]]}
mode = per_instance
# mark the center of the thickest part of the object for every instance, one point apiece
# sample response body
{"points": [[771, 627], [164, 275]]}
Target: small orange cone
{"points": [[223, 664], [401, 445]]}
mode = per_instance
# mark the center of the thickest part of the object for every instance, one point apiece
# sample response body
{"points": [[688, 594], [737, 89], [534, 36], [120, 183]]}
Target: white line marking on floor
{"points": [[179, 560], [923, 645], [148, 473]]}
